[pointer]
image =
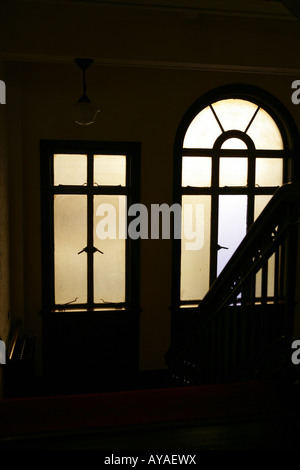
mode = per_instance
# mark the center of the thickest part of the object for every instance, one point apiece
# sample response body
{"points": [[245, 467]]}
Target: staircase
{"points": [[243, 328]]}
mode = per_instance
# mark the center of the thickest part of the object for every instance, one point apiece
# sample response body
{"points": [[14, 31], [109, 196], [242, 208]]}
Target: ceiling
{"points": [[184, 34]]}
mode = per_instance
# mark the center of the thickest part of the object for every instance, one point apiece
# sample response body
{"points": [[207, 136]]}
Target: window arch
{"points": [[233, 149]]}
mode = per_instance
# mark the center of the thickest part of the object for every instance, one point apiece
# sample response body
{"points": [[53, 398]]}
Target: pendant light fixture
{"points": [[85, 111]]}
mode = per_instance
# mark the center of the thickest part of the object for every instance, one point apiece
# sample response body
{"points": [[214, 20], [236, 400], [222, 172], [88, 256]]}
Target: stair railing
{"points": [[251, 303]]}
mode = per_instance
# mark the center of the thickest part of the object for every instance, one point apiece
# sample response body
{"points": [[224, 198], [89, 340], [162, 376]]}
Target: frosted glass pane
{"points": [[195, 247], [264, 132], [196, 171], [234, 113], [260, 203], [203, 130], [271, 276], [234, 143], [270, 281], [110, 170], [109, 237], [269, 171], [70, 237], [233, 171], [232, 226], [258, 279], [70, 169]]}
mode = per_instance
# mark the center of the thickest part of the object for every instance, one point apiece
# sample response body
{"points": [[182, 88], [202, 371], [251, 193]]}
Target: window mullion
{"points": [[214, 217], [251, 189], [90, 229]]}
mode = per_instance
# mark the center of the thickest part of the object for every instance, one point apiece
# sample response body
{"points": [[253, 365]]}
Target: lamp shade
{"points": [[85, 113]]}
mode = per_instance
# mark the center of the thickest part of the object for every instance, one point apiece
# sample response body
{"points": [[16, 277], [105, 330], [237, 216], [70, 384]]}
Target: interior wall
{"points": [[4, 229], [143, 104]]}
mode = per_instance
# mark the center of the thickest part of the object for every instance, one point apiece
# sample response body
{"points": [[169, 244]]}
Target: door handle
{"points": [[88, 250]]}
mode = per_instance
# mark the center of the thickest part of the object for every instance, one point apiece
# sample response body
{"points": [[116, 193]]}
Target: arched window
{"points": [[233, 150]]}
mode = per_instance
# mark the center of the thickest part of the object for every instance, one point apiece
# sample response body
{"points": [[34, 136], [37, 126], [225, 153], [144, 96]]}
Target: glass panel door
{"points": [[109, 238], [70, 236], [195, 247], [232, 226]]}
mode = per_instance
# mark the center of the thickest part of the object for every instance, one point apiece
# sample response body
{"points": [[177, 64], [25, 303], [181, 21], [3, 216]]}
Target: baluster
{"points": [[291, 269], [276, 276]]}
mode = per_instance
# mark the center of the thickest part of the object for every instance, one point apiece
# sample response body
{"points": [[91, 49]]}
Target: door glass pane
{"points": [[110, 238], [70, 169], [271, 276], [110, 170], [260, 203], [258, 280], [196, 171], [264, 132], [268, 171], [70, 237], [195, 247], [232, 226], [203, 130], [233, 171], [270, 280]]}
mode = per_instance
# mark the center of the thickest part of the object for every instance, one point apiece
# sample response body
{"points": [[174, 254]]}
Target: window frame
{"points": [[131, 189], [291, 172]]}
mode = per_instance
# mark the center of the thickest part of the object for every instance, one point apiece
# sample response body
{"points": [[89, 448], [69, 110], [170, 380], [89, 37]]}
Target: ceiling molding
{"points": [[165, 65], [293, 6], [247, 8]]}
